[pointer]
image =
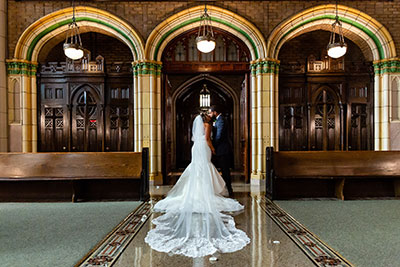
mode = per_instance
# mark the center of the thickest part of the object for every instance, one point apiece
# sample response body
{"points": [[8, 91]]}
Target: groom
{"points": [[222, 147]]}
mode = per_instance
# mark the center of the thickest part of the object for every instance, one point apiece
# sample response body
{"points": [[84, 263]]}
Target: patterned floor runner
{"points": [[108, 250], [319, 252]]}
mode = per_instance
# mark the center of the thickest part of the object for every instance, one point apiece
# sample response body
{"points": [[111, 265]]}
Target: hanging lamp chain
{"points": [[74, 35], [337, 23], [205, 28]]}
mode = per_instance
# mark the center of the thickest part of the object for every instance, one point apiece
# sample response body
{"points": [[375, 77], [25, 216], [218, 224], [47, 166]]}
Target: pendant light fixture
{"points": [[205, 40], [336, 48], [204, 98], [73, 44]]}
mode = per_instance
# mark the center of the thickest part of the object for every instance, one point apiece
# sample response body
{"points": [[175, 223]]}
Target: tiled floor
{"points": [[269, 246]]}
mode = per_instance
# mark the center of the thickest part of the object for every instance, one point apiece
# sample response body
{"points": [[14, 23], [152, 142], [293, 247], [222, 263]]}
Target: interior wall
{"points": [[144, 16]]}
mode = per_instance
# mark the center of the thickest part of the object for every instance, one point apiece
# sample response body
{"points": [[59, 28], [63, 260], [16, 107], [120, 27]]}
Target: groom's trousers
{"points": [[223, 162]]}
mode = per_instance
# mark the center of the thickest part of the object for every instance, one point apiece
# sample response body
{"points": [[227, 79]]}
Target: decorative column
{"points": [[264, 114], [147, 113], [385, 128], [3, 80], [24, 73]]}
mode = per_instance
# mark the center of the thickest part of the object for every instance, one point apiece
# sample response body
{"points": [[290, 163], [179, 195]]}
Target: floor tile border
{"points": [[318, 251], [110, 248]]}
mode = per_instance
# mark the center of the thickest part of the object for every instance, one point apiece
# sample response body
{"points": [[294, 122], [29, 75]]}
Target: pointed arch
{"points": [[190, 19]]}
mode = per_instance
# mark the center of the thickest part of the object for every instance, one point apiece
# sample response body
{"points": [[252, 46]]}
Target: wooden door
{"points": [[119, 119], [325, 120], [87, 126], [292, 118], [53, 118], [359, 117]]}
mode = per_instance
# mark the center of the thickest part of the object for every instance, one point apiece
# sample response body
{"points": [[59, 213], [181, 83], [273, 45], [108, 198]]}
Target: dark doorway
{"points": [[187, 108], [226, 72]]}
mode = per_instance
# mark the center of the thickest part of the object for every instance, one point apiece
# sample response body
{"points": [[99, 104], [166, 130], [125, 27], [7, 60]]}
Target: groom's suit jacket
{"points": [[220, 137]]}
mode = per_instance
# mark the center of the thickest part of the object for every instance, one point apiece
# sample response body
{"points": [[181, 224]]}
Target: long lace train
{"points": [[193, 224]]}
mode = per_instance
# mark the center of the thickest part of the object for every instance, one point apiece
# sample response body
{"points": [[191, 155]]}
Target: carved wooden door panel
{"points": [[359, 117], [86, 121], [358, 127], [292, 118], [325, 121], [292, 134], [119, 120], [53, 118]]}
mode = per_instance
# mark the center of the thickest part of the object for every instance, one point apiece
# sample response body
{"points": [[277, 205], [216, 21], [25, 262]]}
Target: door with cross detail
{"points": [[325, 121], [87, 121]]}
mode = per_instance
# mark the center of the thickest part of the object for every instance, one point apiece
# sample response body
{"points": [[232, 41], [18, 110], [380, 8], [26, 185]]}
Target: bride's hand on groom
{"points": [[213, 150]]}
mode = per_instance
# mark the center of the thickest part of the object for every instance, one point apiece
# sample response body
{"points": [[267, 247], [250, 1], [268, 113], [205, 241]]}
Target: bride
{"points": [[193, 224]]}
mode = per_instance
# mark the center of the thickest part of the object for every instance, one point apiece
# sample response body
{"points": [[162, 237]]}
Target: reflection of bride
{"points": [[193, 224]]}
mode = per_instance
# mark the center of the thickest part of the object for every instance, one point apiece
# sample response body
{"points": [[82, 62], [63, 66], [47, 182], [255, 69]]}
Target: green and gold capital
{"points": [[22, 67], [391, 65], [146, 67], [262, 66]]}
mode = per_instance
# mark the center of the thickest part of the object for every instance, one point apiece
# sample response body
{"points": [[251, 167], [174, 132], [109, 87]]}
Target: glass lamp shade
{"points": [[205, 44], [204, 101], [337, 50], [204, 97], [73, 51]]}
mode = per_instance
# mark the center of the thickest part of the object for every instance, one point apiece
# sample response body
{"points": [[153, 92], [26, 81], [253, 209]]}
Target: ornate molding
{"points": [[391, 65], [263, 66], [21, 67], [146, 67]]}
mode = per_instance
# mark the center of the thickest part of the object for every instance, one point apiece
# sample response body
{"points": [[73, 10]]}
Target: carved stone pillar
{"points": [[147, 113], [264, 114], [23, 73]]}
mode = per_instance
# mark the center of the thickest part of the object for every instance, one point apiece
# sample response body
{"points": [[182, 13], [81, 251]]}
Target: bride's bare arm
{"points": [[208, 128]]}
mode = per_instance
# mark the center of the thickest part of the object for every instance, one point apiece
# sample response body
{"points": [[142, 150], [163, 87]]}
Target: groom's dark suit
{"points": [[222, 150]]}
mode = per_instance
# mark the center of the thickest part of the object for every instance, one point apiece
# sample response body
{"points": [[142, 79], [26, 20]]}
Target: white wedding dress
{"points": [[193, 224]]}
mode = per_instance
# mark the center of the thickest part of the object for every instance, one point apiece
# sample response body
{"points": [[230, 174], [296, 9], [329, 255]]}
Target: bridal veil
{"points": [[193, 224]]}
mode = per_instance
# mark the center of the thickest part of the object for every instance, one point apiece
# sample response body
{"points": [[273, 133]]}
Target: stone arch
{"points": [[190, 19], [370, 35], [54, 25]]}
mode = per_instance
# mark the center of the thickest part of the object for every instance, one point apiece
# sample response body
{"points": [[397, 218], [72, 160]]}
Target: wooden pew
{"points": [[74, 176], [341, 174]]}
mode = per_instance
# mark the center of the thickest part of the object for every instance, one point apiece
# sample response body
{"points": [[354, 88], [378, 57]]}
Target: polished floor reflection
{"points": [[269, 246]]}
